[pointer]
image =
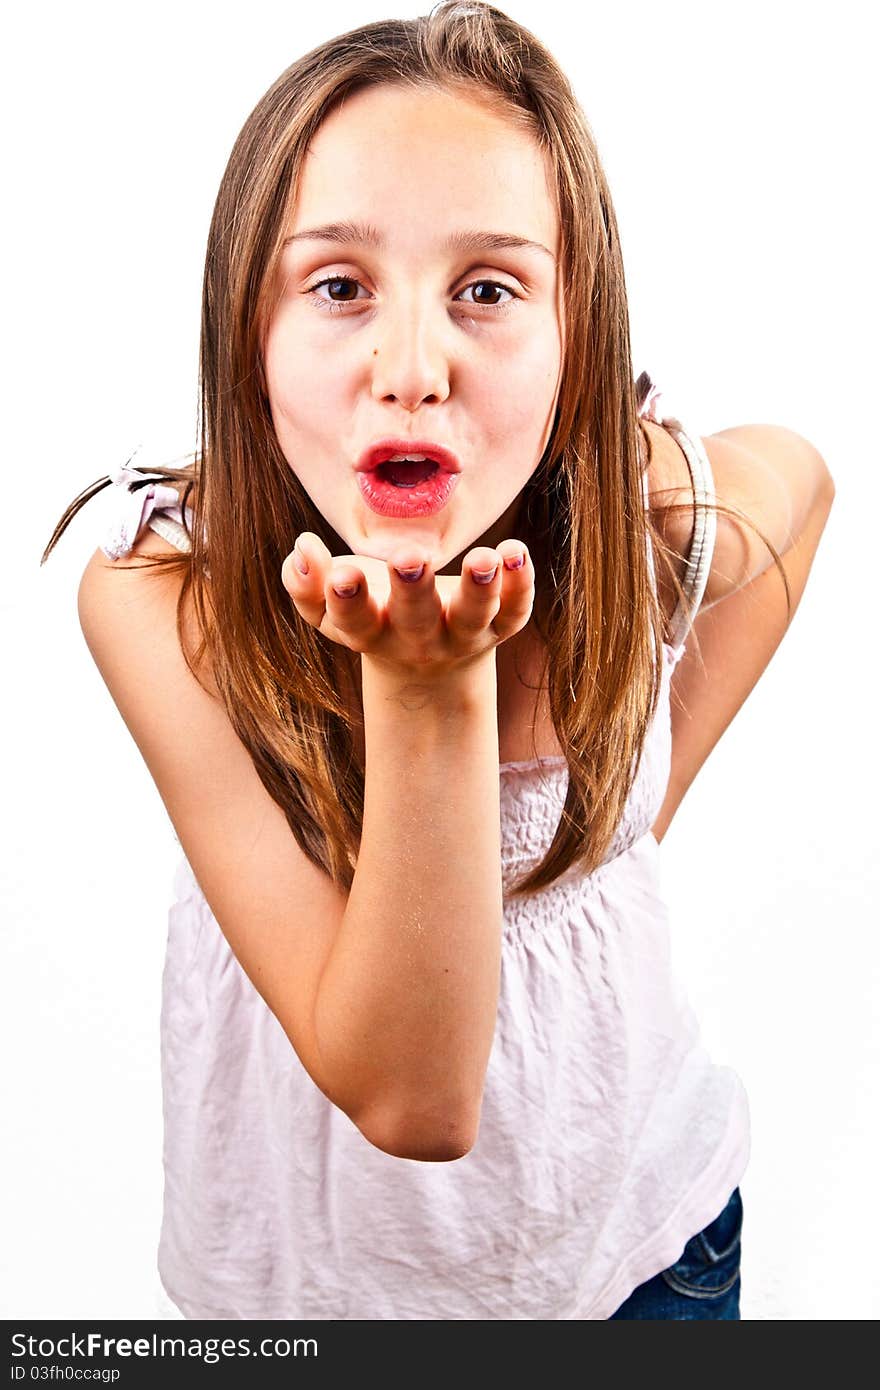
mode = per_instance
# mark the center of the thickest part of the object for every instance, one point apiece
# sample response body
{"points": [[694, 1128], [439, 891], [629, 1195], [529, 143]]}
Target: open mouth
{"points": [[402, 487], [406, 473]]}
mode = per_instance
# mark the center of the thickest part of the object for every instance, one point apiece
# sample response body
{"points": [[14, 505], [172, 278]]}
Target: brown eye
{"points": [[485, 285], [484, 289], [333, 285]]}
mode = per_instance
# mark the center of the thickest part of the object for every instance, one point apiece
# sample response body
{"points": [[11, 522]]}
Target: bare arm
{"points": [[407, 1002], [738, 634], [405, 1006]]}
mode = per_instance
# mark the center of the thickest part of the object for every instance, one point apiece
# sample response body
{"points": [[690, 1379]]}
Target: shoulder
{"points": [[147, 546], [118, 597], [767, 475], [135, 616]]}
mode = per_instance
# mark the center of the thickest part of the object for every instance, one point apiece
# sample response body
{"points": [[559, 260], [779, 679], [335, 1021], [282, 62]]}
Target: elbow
{"points": [[824, 487], [824, 500], [424, 1139], [433, 1147]]}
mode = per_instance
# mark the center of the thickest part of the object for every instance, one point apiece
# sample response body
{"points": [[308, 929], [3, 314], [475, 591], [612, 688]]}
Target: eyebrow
{"points": [[365, 234]]}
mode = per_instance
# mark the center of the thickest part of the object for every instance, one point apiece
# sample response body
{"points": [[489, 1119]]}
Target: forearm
{"points": [[405, 1012]]}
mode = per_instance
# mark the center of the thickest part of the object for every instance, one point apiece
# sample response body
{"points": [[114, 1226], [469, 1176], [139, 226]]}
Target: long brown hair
{"points": [[286, 687]]}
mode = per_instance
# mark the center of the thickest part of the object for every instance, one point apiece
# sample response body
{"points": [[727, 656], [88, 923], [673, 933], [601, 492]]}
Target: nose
{"points": [[410, 356]]}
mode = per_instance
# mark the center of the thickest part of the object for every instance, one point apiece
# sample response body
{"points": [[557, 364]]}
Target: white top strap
{"points": [[699, 561], [171, 530]]}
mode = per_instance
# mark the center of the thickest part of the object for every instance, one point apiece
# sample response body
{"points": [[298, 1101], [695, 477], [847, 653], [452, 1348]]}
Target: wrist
{"points": [[467, 687]]}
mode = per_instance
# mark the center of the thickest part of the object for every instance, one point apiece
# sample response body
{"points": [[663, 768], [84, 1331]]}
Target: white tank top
{"points": [[608, 1137]]}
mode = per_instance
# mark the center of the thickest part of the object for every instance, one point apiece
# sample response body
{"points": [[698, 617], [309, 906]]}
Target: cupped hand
{"points": [[430, 621]]}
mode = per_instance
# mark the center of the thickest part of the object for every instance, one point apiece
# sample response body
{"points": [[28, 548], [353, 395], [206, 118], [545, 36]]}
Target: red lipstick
{"points": [[407, 477]]}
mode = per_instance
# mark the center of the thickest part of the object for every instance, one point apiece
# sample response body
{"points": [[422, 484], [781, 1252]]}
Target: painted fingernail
{"points": [[300, 561], [346, 590], [485, 576], [411, 576], [514, 562]]}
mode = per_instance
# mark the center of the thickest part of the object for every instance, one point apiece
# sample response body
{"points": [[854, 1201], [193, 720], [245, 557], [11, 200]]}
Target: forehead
{"points": [[390, 151]]}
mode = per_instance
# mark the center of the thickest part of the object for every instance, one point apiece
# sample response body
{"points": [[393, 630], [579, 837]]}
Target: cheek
{"points": [[289, 342], [281, 368], [518, 387], [302, 386]]}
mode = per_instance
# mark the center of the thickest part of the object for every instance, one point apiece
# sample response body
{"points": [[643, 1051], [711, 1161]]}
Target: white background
{"points": [[741, 152]]}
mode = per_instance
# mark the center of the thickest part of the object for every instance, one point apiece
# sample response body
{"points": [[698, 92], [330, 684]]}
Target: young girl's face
{"points": [[415, 337]]}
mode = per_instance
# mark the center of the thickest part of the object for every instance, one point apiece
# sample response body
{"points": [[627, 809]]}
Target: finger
{"points": [[414, 605], [476, 600], [351, 608], [303, 575], [517, 589]]}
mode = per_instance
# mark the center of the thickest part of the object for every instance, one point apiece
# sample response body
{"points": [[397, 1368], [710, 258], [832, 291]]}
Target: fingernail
{"points": [[300, 561], [485, 576], [411, 576], [346, 590], [514, 562]]}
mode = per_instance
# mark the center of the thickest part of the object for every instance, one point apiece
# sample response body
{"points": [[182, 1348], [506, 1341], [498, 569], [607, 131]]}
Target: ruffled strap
{"points": [[134, 508], [648, 410]]}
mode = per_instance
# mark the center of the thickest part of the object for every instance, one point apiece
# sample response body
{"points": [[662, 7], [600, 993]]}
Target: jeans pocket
{"points": [[709, 1265]]}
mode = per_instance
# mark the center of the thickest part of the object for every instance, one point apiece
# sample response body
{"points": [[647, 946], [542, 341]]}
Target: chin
{"points": [[382, 547]]}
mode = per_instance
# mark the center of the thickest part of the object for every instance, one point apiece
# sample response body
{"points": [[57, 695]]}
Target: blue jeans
{"points": [[704, 1282]]}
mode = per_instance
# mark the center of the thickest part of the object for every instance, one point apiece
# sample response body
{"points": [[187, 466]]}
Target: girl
{"points": [[398, 648]]}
